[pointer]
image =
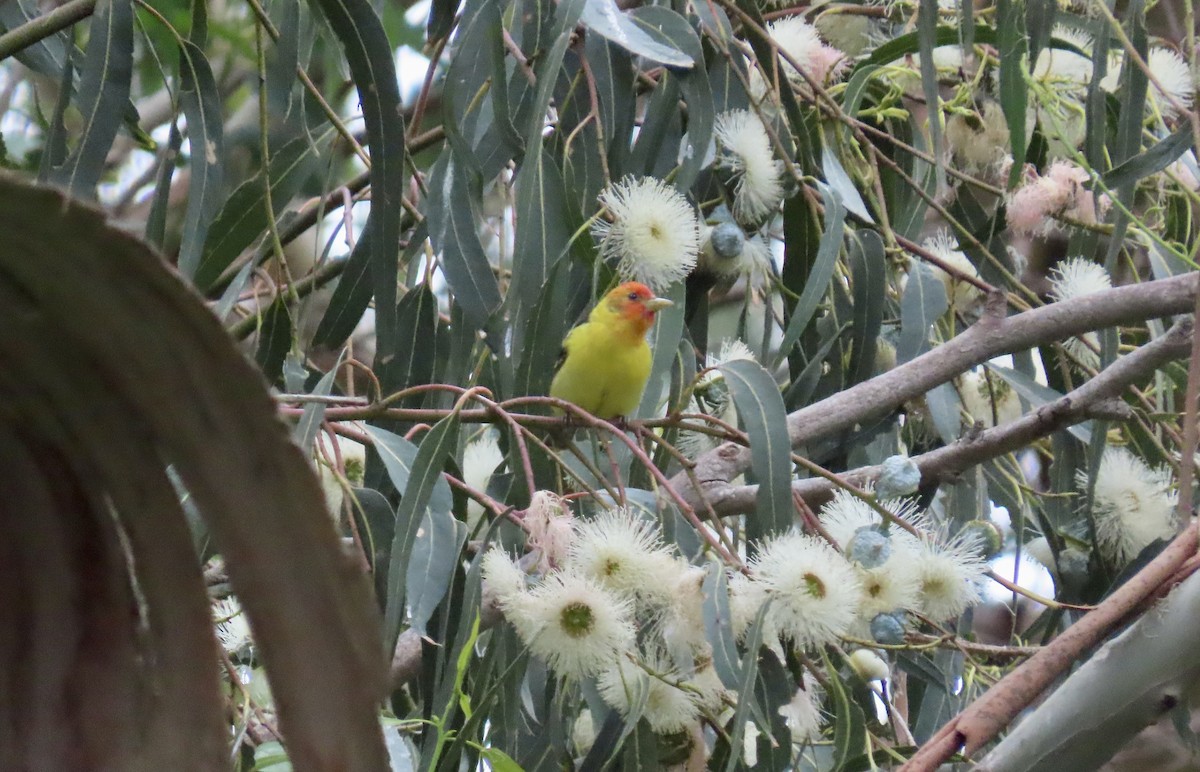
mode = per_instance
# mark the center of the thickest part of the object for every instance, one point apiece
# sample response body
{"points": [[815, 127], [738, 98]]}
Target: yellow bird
{"points": [[605, 361]]}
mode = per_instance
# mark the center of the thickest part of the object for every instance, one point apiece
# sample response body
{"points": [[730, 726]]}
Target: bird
{"points": [[605, 362]]}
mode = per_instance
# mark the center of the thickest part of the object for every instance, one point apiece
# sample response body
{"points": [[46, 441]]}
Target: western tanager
{"points": [[606, 360]]}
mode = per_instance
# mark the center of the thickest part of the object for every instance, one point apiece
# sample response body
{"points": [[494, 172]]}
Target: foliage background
{"points": [[402, 271]]}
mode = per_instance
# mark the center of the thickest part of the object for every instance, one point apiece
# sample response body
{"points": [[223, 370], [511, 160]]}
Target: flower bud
{"points": [[869, 665], [888, 629], [900, 477], [868, 547]]}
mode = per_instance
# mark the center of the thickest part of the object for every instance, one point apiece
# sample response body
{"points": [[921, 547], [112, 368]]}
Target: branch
{"points": [[1128, 685], [16, 40], [983, 719], [948, 462], [990, 337]]}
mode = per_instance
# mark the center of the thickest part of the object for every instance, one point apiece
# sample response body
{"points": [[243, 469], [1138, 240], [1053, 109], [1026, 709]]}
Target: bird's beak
{"points": [[658, 304]]}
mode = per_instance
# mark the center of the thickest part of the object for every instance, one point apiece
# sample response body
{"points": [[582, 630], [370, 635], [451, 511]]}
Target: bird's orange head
{"points": [[635, 304]]}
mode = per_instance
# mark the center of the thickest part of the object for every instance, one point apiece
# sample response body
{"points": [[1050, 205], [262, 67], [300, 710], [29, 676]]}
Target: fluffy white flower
{"points": [[681, 622], [893, 586], [625, 553], [1133, 504], [746, 150], [232, 627], [803, 713], [799, 41], [1173, 74], [353, 457], [583, 732], [746, 597], [815, 593], [949, 573], [573, 624], [990, 401], [480, 459], [667, 709], [504, 577], [653, 234], [551, 527], [844, 514], [1062, 68], [1073, 278], [1076, 277], [961, 293], [980, 142]]}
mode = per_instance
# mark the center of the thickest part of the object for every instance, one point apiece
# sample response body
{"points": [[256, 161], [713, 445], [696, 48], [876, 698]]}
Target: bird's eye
{"points": [[633, 296]]}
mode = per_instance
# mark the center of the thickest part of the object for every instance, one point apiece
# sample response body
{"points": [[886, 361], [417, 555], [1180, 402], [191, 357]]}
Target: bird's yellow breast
{"points": [[604, 371]]}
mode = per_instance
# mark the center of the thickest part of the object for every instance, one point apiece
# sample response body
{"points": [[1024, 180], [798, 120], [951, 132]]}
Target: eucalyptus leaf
{"points": [[607, 20]]}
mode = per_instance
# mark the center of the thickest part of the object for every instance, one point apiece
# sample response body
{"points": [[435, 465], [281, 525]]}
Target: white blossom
{"points": [[231, 625], [573, 624], [815, 594], [625, 553], [949, 572], [745, 149], [668, 708], [505, 579], [654, 234], [1133, 504], [1073, 278], [803, 713], [960, 293], [481, 457]]}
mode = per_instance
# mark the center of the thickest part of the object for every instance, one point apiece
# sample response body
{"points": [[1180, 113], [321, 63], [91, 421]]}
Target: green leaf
{"points": [[202, 109], [1038, 395], [373, 69], [543, 334], [566, 16], [156, 220], [351, 296], [821, 274], [923, 303], [664, 340], [850, 725], [612, 70], [1150, 161], [274, 339], [943, 404], [243, 218], [760, 410], [465, 264], [841, 184], [910, 44], [544, 229], [1013, 97], [749, 672], [671, 28], [416, 335], [499, 761], [718, 624], [431, 566], [305, 431], [868, 271], [420, 481], [927, 18], [607, 20], [104, 84]]}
